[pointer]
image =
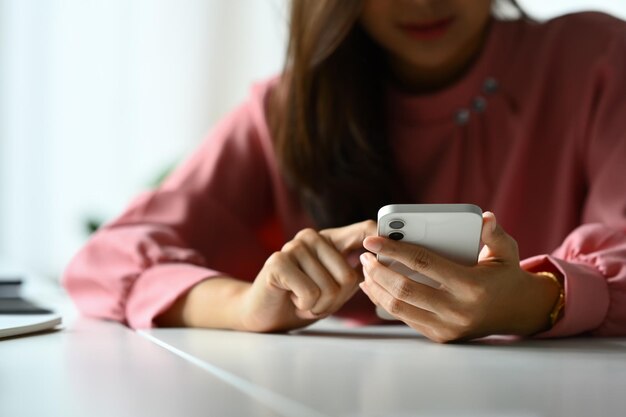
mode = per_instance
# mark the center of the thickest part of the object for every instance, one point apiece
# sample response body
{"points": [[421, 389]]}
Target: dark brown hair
{"points": [[327, 115]]}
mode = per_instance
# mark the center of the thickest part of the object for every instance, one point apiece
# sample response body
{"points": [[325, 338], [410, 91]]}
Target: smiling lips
{"points": [[427, 30]]}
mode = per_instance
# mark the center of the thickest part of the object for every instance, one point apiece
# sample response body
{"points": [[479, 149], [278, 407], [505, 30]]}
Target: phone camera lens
{"points": [[396, 224], [396, 235]]}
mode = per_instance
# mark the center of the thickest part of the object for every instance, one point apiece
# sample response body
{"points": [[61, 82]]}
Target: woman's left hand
{"points": [[495, 296]]}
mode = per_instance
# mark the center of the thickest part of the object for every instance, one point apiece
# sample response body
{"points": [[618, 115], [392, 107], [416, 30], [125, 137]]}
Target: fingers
{"points": [[285, 275], [417, 258], [399, 286], [498, 243], [321, 264], [313, 270], [328, 255], [432, 312], [402, 310], [350, 237], [321, 302]]}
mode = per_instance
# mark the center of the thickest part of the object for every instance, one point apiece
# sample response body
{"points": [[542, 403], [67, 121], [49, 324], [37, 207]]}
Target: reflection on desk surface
{"points": [[393, 371]]}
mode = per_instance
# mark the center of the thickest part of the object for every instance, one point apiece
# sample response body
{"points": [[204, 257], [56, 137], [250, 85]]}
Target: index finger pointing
{"points": [[350, 237], [417, 258]]}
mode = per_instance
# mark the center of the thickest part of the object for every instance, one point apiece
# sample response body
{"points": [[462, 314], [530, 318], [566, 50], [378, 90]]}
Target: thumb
{"points": [[350, 237], [498, 243]]}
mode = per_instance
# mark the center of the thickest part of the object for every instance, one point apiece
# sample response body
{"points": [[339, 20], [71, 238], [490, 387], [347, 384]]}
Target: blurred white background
{"points": [[98, 97]]}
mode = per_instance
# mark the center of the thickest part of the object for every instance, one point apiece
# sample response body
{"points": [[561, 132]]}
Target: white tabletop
{"points": [[103, 369], [97, 368], [333, 370]]}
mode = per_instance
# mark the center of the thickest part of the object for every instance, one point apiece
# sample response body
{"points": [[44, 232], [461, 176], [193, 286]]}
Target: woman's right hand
{"points": [[308, 279]]}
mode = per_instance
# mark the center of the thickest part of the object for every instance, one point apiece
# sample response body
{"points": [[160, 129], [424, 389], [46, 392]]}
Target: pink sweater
{"points": [[535, 132]]}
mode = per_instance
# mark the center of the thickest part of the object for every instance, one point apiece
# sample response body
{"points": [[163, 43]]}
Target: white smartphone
{"points": [[451, 230]]}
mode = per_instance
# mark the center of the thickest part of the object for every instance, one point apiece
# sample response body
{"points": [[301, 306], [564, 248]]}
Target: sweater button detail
{"points": [[462, 116], [479, 104], [490, 85]]}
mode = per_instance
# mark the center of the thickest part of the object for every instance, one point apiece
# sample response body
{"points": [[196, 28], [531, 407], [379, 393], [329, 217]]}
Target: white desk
{"points": [[329, 370], [96, 368], [103, 369]]}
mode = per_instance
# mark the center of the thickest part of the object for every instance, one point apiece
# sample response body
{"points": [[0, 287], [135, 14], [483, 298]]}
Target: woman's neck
{"points": [[421, 79]]}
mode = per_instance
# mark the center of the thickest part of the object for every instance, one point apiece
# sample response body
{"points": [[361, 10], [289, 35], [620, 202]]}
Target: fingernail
{"points": [[372, 244], [365, 258], [490, 218]]}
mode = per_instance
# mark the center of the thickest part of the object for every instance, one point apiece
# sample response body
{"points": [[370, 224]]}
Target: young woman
{"points": [[431, 101]]}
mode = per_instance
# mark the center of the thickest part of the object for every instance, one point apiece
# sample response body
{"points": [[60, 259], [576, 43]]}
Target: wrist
{"points": [[557, 308], [212, 303], [541, 303], [223, 303]]}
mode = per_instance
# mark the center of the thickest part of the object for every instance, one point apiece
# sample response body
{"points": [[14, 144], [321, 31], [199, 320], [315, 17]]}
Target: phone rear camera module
{"points": [[396, 224], [396, 235]]}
